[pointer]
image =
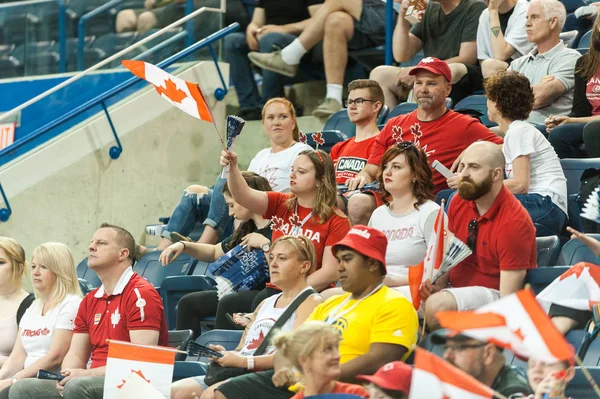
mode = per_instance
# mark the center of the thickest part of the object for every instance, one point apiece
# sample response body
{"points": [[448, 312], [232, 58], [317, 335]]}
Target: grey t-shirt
{"points": [[558, 62], [443, 34], [510, 380]]}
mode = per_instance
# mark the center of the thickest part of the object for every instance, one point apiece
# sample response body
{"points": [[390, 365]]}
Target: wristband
{"points": [[250, 362], [183, 243]]}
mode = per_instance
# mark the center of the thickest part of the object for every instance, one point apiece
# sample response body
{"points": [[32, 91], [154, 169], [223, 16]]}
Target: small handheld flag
{"points": [[591, 208], [235, 124]]}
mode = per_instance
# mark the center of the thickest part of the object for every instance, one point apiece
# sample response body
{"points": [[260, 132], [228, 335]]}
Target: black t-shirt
{"points": [[282, 12], [443, 34], [227, 244], [504, 20]]}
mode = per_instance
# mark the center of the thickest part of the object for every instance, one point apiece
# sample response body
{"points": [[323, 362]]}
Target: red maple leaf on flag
{"points": [[276, 223], [256, 342], [172, 92], [318, 138], [295, 220], [416, 131], [302, 138], [397, 134], [519, 334], [138, 372]]}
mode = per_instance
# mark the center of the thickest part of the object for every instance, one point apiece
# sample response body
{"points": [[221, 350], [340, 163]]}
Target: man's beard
{"points": [[470, 191], [425, 102]]}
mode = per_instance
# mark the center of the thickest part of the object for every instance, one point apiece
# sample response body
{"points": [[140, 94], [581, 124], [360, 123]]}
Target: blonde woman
{"points": [[14, 300], [313, 349], [46, 328]]}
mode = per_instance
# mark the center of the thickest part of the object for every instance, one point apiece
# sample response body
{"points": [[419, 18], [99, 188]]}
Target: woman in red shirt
{"points": [[309, 209], [313, 348]]}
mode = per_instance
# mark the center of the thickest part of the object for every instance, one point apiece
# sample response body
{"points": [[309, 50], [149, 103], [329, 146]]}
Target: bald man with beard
{"points": [[497, 228]]}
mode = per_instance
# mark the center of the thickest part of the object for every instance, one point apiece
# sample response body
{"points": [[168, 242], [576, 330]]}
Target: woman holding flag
{"points": [[291, 260]]}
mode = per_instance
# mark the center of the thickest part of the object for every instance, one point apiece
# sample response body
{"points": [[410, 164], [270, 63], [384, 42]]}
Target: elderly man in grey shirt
{"points": [[550, 66]]}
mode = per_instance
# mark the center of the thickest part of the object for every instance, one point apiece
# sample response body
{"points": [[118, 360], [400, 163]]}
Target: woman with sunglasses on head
{"points": [[408, 218], [309, 209], [533, 170], [291, 259]]}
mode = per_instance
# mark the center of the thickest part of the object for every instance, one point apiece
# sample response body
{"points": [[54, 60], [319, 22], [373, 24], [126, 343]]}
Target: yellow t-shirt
{"points": [[384, 317]]}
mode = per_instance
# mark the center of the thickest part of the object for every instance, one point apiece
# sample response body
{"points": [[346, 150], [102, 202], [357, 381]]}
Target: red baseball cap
{"points": [[365, 240], [395, 376], [433, 65]]}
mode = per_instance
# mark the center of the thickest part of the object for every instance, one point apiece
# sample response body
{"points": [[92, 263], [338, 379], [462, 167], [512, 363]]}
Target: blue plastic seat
{"points": [[575, 338], [229, 339], [10, 67], [152, 270], [165, 52], [574, 251], [84, 272], [592, 356], [569, 38], [173, 288], [331, 138], [6, 49], [579, 387], [573, 169], [477, 103], [385, 110], [112, 43], [547, 249], [585, 40], [340, 121], [24, 51], [19, 28], [541, 277], [401, 109]]}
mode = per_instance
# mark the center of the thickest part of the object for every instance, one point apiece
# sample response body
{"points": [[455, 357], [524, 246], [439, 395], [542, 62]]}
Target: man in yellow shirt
{"points": [[378, 325]]}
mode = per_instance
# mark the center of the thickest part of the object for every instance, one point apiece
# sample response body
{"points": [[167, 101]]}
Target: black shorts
{"points": [[580, 316], [254, 385], [470, 83]]}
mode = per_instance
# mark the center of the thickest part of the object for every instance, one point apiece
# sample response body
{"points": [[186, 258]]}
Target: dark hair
{"points": [[416, 158], [124, 238], [375, 91], [327, 191], [512, 94], [291, 109], [256, 182], [589, 61]]}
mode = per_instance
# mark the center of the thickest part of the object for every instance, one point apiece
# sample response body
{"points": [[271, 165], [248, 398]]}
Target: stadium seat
{"points": [[152, 270], [340, 121], [229, 339], [541, 277], [173, 288], [369, 58], [585, 40], [20, 28], [401, 109], [592, 356], [85, 286], [84, 272], [477, 103], [569, 38], [112, 43], [573, 169], [579, 387], [179, 339], [24, 51], [574, 251], [431, 347], [10, 67], [42, 64], [183, 370], [548, 249], [575, 338], [6, 49], [383, 114], [331, 138], [165, 52]]}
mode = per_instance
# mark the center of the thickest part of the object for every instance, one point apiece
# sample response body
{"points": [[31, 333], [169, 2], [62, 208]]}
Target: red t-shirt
{"points": [[113, 316], [341, 387], [443, 139], [505, 240], [321, 235], [350, 157]]}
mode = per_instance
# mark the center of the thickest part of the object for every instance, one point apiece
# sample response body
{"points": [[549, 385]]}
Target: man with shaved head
{"points": [[497, 228]]}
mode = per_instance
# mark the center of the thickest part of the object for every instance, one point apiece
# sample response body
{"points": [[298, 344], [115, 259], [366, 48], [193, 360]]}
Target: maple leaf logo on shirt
{"points": [[276, 223], [172, 92], [318, 138], [397, 134], [269, 174], [416, 131], [302, 138], [295, 220], [256, 342]]}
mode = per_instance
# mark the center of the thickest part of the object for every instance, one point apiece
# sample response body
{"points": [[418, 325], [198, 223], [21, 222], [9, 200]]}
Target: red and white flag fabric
{"points": [[7, 134], [433, 258], [516, 322], [154, 364], [577, 288], [184, 95], [434, 378]]}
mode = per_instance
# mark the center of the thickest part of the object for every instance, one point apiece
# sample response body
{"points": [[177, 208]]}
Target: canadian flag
{"points": [[154, 364], [184, 95], [433, 259], [516, 322], [434, 378], [577, 288]]}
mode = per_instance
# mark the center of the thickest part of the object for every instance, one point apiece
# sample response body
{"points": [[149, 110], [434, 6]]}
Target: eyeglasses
{"points": [[472, 238], [460, 348], [358, 101]]}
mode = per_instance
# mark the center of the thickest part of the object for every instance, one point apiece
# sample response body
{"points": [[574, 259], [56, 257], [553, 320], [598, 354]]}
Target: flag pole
{"points": [[588, 376], [213, 119]]}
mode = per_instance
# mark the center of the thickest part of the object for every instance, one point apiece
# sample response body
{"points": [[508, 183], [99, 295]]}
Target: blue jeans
{"points": [[236, 54], [548, 218], [209, 208], [567, 140]]}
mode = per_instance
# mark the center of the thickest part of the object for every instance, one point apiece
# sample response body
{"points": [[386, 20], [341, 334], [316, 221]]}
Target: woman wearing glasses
{"points": [[407, 220], [533, 170]]}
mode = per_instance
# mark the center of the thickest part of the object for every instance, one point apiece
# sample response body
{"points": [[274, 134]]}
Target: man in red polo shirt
{"points": [[499, 231], [126, 307], [443, 133]]}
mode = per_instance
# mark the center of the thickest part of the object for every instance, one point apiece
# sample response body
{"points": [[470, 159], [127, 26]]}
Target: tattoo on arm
{"points": [[495, 30]]}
